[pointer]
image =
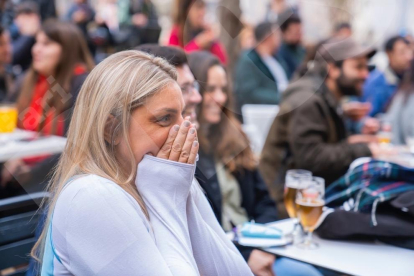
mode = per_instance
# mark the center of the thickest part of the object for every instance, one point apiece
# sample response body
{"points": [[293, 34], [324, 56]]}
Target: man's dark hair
{"points": [[263, 30], [343, 25], [174, 55], [27, 7], [292, 19], [389, 45], [1, 30]]}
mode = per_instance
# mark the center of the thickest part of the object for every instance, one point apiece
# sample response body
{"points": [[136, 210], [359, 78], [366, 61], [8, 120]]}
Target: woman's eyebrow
{"points": [[166, 109]]}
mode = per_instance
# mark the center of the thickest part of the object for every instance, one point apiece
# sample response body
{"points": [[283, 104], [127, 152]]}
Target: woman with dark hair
{"points": [[191, 32], [45, 97], [227, 167]]}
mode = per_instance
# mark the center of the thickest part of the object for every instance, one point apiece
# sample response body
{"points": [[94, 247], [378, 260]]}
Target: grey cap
{"points": [[341, 49]]}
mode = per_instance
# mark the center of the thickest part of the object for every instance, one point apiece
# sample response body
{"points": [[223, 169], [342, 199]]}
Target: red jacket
{"points": [[216, 48]]}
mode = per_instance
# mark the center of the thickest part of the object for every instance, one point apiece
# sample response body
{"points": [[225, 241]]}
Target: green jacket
{"points": [[254, 83]]}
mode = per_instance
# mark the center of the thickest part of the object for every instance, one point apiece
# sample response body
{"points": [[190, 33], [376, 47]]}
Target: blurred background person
{"points": [[27, 21], [185, 78], [259, 77], [291, 52], [192, 32], [144, 19], [342, 30], [401, 112], [381, 86], [227, 168], [81, 13], [309, 131], [61, 62], [6, 74]]}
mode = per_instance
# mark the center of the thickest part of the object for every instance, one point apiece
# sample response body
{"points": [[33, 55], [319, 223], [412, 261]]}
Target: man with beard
{"points": [[309, 132]]}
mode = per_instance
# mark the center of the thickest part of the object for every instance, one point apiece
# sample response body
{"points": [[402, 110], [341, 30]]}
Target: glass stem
{"points": [[309, 238]]}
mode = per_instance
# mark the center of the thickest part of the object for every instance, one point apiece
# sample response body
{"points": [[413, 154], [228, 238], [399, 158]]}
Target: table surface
{"points": [[354, 258], [15, 145]]}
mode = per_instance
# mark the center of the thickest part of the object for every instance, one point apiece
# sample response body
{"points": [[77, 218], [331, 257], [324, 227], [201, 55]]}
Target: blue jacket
{"points": [[379, 89]]}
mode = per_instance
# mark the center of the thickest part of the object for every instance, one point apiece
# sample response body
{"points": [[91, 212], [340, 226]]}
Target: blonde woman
{"points": [[124, 202]]}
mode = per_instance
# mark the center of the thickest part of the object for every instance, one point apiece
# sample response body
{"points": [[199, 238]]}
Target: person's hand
{"points": [[355, 139], [379, 151], [12, 168], [370, 126], [261, 263], [356, 110], [206, 38], [139, 20], [28, 24], [181, 145]]}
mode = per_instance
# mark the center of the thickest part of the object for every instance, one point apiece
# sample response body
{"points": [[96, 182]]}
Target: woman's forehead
{"points": [[168, 98]]}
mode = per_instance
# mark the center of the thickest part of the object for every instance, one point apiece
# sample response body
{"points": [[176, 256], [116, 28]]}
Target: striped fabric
{"points": [[368, 184]]}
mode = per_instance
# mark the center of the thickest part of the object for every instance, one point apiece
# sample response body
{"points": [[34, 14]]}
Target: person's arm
{"points": [[174, 40], [248, 86], [99, 230], [308, 141], [220, 257], [218, 50], [192, 46], [181, 226]]}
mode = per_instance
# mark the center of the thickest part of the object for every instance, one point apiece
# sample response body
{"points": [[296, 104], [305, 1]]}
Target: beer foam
{"points": [[310, 203]]}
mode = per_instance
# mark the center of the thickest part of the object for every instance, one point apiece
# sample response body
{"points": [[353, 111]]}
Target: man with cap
{"points": [[309, 132]]}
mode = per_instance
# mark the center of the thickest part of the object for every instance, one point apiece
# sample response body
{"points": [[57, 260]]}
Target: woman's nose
{"points": [[180, 120], [195, 97]]}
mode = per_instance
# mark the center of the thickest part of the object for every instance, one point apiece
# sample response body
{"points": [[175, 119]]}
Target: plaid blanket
{"points": [[368, 184]]}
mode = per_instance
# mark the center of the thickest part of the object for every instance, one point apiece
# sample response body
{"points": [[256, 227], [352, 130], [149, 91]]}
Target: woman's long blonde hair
{"points": [[116, 87]]}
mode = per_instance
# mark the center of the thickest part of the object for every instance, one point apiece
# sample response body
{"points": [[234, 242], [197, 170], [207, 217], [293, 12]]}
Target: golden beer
{"points": [[384, 139], [8, 118], [289, 199], [309, 211]]}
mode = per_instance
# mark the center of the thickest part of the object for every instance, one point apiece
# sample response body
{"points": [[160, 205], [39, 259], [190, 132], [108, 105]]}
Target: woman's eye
{"points": [[164, 119]]}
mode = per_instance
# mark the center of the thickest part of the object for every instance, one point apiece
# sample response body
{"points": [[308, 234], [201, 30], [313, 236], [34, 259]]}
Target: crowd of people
{"points": [[72, 76]]}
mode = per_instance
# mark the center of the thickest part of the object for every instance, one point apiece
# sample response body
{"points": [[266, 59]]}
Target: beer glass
{"points": [[309, 203], [294, 180], [8, 118]]}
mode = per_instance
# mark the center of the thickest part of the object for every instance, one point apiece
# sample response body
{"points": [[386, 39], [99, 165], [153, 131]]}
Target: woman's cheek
{"points": [[163, 137]]}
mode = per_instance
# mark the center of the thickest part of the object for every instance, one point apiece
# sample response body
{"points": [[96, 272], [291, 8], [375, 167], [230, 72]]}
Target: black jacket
{"points": [[255, 197]]}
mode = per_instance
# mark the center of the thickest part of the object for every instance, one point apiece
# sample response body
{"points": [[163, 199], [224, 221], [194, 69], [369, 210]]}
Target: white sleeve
{"points": [[165, 185], [182, 227], [98, 231], [206, 212], [220, 257]]}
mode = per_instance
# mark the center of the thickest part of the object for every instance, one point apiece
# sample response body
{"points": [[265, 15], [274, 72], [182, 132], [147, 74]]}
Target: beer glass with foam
{"points": [[309, 203]]}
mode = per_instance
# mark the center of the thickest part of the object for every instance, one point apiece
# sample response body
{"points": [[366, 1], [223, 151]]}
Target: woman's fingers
{"points": [[166, 148], [185, 152], [193, 153], [178, 144]]}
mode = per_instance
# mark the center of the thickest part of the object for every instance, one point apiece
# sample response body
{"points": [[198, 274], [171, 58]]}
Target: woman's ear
{"points": [[110, 135]]}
